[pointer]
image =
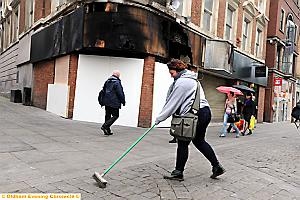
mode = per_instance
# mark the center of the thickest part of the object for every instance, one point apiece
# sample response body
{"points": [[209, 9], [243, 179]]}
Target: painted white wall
{"points": [[92, 72], [57, 99], [162, 81]]}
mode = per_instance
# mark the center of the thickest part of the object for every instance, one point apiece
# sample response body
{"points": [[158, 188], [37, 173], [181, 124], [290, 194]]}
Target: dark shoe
{"points": [[242, 133], [175, 175], [110, 133], [173, 140], [250, 132], [217, 171], [106, 131]]}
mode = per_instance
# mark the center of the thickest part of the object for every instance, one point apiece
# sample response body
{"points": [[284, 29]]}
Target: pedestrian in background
{"points": [[229, 109], [180, 97], [248, 111], [112, 100]]}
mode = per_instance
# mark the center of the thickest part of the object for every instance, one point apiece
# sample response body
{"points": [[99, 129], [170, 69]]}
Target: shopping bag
{"points": [[252, 123], [240, 124]]}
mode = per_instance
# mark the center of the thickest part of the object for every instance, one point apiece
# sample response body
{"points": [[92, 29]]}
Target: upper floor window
{"points": [[278, 57], [281, 20], [29, 13], [261, 5], [15, 24], [229, 23], [258, 45], [246, 34], [182, 7], [207, 16], [290, 30], [56, 4], [296, 34]]}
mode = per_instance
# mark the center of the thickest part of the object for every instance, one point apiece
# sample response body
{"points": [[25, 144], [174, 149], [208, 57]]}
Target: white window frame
{"points": [[296, 34], [258, 42], [261, 5], [29, 13], [213, 19], [229, 27], [249, 14], [15, 23], [233, 6], [187, 8], [278, 57], [246, 35], [282, 20], [209, 12], [8, 31], [57, 4]]}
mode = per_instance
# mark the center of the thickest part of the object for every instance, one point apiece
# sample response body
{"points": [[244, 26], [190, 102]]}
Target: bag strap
{"points": [[196, 104]]}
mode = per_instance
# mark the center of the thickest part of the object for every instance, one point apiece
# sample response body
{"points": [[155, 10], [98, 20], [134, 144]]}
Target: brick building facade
{"points": [[282, 58], [76, 49]]}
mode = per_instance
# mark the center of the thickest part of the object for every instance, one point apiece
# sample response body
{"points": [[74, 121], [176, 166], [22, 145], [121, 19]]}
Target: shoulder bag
{"points": [[184, 127]]}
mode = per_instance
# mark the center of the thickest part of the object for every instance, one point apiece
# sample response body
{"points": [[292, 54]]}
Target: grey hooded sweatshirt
{"points": [[181, 96]]}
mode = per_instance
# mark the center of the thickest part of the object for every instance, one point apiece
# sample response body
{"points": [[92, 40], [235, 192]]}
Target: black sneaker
{"points": [[173, 140], [217, 171], [106, 131], [175, 175], [250, 132]]}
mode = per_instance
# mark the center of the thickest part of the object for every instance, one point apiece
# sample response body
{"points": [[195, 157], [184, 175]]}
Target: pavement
{"points": [[44, 153]]}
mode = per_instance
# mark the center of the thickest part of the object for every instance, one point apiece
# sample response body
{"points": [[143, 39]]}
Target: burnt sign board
{"points": [[261, 71]]}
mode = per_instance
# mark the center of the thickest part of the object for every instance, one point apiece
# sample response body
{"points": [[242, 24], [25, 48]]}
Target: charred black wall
{"points": [[123, 31], [59, 38]]}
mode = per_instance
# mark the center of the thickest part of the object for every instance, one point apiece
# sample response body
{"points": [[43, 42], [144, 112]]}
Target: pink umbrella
{"points": [[225, 89]]}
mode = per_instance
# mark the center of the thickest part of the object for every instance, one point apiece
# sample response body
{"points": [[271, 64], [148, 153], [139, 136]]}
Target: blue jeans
{"points": [[224, 130]]}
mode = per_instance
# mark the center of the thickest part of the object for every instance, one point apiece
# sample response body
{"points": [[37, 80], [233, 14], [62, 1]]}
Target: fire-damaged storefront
{"points": [[75, 55], [232, 68]]}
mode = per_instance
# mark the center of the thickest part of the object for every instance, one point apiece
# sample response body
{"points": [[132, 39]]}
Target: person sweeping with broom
{"points": [[180, 99]]}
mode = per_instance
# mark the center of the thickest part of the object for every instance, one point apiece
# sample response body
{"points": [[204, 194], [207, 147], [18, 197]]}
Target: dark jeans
{"points": [[111, 115], [199, 142]]}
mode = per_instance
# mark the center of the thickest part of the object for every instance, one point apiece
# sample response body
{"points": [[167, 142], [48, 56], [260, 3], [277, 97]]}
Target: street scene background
{"points": [[43, 153]]}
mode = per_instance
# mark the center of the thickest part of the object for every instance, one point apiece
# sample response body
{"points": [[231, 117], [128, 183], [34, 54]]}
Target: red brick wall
{"points": [[271, 55], [38, 10], [146, 101], [261, 101], [253, 37], [42, 9], [239, 30], [22, 16], [269, 96], [43, 74], [221, 19], [196, 12], [73, 66]]}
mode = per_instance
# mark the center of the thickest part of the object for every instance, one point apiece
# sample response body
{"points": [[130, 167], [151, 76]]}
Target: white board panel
{"points": [[57, 99], [92, 72], [162, 81]]}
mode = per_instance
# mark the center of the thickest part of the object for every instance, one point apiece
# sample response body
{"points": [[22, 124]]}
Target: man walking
{"points": [[112, 100]]}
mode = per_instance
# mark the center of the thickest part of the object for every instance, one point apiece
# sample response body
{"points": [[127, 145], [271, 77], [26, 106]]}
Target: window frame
{"points": [[245, 42], [258, 42], [210, 13], [282, 20], [230, 26], [29, 13]]}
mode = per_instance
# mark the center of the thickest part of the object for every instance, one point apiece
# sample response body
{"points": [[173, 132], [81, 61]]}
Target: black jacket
{"points": [[114, 94], [249, 108]]}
